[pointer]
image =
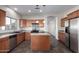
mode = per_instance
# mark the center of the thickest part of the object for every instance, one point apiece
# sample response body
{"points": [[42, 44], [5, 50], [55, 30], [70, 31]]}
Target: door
{"points": [[74, 35]]}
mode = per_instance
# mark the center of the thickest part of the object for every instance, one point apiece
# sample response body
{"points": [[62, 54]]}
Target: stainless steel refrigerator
{"points": [[72, 34]]}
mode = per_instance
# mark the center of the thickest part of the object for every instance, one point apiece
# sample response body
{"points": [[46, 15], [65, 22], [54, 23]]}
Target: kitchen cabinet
{"points": [[23, 23], [27, 36], [29, 23], [40, 42], [4, 44], [20, 38], [61, 36], [74, 14], [63, 21], [70, 16], [40, 22], [78, 12], [2, 17]]}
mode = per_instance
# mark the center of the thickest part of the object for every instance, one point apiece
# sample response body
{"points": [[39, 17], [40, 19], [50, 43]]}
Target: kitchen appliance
{"points": [[71, 34], [12, 41], [35, 28]]}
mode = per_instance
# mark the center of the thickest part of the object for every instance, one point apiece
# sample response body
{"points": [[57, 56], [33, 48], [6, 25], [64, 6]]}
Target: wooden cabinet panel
{"points": [[4, 44], [23, 23], [78, 13], [29, 23], [2, 17], [40, 42], [63, 21], [74, 14], [40, 22], [27, 36], [20, 37], [61, 36]]}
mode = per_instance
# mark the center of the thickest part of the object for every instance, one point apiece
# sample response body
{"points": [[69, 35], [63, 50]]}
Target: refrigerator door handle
{"points": [[67, 29]]}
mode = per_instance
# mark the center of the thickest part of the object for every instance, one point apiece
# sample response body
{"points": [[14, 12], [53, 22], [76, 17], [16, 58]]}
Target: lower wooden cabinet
{"points": [[27, 36], [4, 44], [61, 36], [40, 42], [20, 37]]}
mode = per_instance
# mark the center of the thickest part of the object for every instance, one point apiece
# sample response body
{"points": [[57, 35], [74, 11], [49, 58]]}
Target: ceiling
{"points": [[55, 9]]}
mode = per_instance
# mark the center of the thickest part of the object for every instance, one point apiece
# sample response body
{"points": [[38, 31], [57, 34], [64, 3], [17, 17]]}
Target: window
{"points": [[11, 23], [7, 21]]}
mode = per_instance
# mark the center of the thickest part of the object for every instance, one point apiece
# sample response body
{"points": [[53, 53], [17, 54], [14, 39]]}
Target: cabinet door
{"points": [[23, 23], [41, 23], [29, 23], [40, 42], [74, 14], [2, 17], [78, 13], [63, 21], [61, 36], [27, 36], [4, 44], [20, 37]]}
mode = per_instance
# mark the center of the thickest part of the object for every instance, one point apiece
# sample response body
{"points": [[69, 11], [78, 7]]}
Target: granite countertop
{"points": [[2, 35], [6, 35], [40, 34]]}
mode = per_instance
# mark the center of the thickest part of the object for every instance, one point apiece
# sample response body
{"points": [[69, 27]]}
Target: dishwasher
{"points": [[12, 41]]}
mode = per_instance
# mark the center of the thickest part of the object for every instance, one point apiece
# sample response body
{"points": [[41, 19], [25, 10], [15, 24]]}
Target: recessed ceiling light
{"points": [[15, 9], [29, 10], [43, 21], [37, 21], [41, 11]]}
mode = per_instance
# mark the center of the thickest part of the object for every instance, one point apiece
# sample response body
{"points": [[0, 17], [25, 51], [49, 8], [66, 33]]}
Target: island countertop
{"points": [[40, 34]]}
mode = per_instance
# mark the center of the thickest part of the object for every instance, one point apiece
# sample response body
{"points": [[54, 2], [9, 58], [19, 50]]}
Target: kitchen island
{"points": [[40, 41]]}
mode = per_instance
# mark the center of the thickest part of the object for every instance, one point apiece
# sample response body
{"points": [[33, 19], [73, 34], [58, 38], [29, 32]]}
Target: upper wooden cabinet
{"points": [[74, 14], [28, 23], [23, 23], [70, 16], [2, 17], [40, 22], [63, 21]]}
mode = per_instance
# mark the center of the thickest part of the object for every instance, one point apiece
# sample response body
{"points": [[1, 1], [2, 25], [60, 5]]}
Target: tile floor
{"points": [[24, 47]]}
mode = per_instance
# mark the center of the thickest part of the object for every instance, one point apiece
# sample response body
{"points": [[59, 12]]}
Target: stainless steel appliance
{"points": [[35, 28], [12, 41], [71, 34]]}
